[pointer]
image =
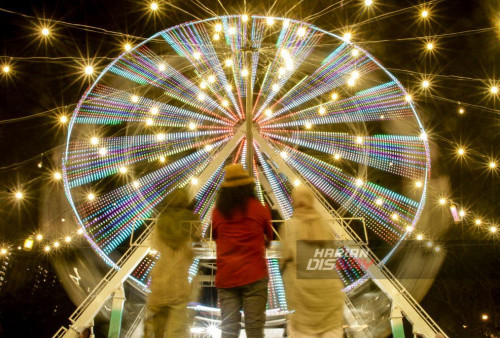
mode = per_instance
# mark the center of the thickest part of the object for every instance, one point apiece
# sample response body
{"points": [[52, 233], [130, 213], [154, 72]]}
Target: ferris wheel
{"points": [[200, 93]]}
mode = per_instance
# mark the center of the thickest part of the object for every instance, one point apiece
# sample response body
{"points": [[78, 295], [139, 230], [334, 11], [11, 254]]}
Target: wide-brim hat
{"points": [[236, 176]]}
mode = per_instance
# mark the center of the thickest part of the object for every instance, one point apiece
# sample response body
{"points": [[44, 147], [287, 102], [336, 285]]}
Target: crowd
{"points": [[241, 228]]}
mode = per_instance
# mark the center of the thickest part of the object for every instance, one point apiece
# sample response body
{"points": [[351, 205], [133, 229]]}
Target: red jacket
{"points": [[241, 245]]}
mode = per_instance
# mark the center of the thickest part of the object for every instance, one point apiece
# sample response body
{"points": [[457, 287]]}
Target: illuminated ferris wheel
{"points": [[180, 102]]}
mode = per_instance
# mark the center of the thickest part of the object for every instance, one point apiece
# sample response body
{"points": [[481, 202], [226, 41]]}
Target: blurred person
{"points": [[242, 230], [167, 314], [317, 302]]}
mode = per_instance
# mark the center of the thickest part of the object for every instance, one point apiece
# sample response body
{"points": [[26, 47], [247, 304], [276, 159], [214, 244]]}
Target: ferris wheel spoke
{"points": [[400, 155], [279, 185], [143, 66], [387, 213], [338, 69], [294, 46], [205, 198], [111, 217], [112, 155], [194, 43], [106, 105], [379, 103]]}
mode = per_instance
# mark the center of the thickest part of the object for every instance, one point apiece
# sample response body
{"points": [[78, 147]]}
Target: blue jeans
{"points": [[252, 298]]}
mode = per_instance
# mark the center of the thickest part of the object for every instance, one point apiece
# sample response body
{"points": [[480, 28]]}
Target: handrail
{"points": [[83, 306], [389, 276], [136, 322]]}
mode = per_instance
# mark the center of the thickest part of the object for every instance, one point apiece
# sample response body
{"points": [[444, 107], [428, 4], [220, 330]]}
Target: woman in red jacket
{"points": [[241, 229]]}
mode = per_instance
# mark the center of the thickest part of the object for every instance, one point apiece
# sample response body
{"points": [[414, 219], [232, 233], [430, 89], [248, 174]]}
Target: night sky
{"points": [[459, 111]]}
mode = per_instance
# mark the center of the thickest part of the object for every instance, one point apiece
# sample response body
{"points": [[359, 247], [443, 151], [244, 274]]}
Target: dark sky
{"points": [[46, 81]]}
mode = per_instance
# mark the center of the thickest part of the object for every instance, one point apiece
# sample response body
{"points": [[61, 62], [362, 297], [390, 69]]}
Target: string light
{"points": [[336, 156], [67, 239], [321, 110], [461, 110], [493, 229], [89, 70], [268, 112], [46, 248], [335, 96], [478, 221], [39, 237]]}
